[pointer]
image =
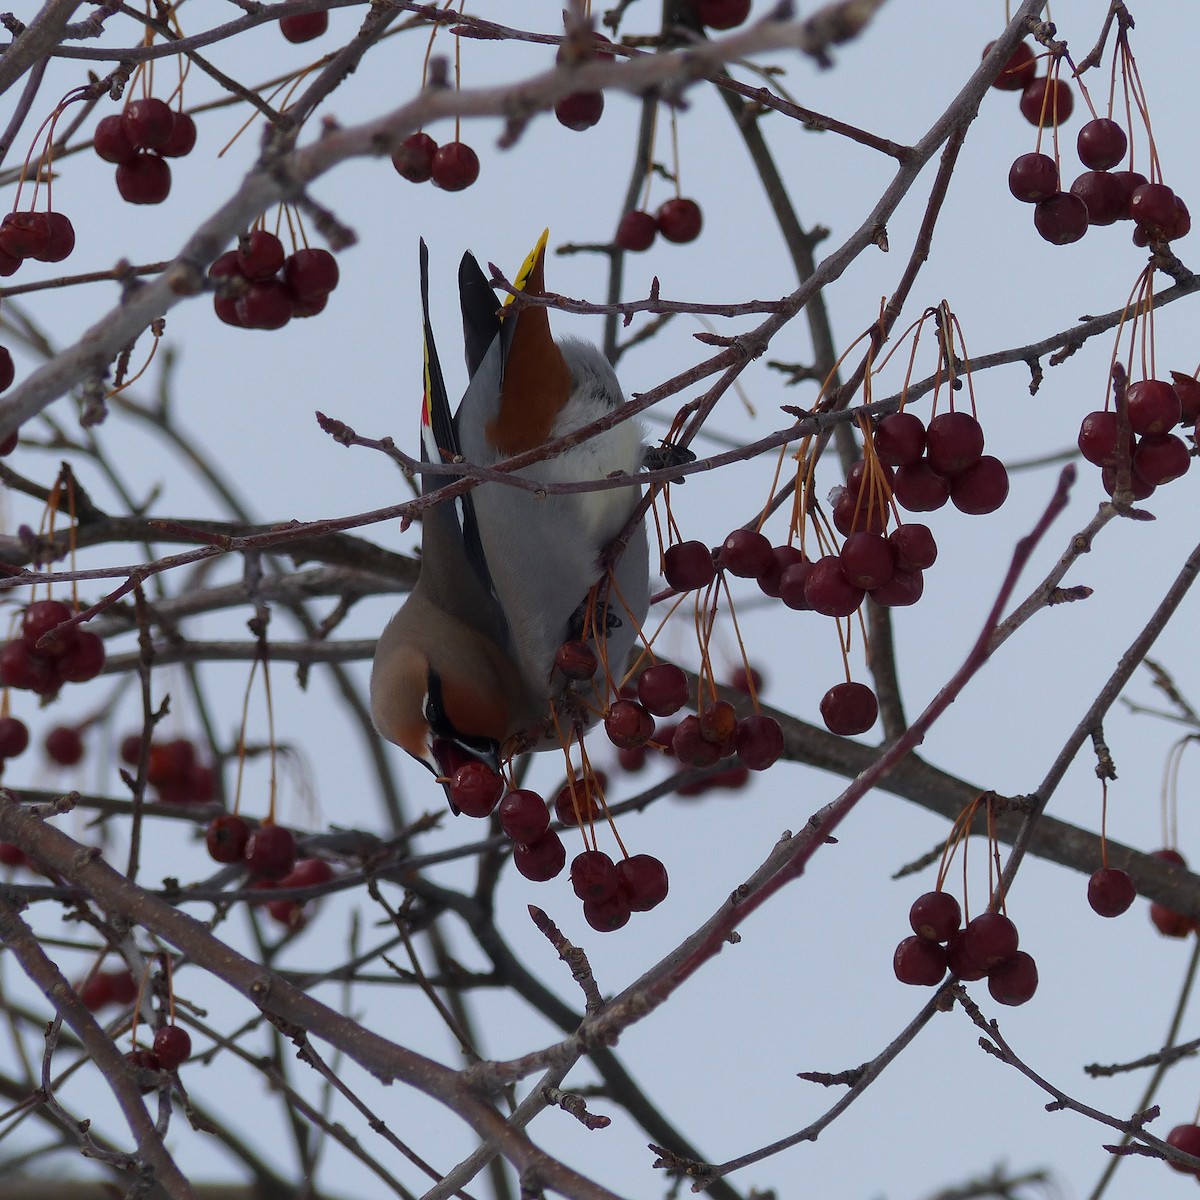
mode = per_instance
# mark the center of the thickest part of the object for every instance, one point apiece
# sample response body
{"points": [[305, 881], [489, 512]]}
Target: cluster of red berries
{"points": [[1100, 195], [73, 656], [303, 27], [678, 220], [1153, 407], [269, 851], [105, 988], [451, 167], [173, 769], [269, 287], [41, 236], [139, 140], [987, 946], [721, 14]]}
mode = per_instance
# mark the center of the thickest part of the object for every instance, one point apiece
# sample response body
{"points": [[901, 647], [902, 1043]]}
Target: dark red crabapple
{"points": [[747, 679], [8, 264], [1160, 458], [919, 962], [524, 816], [475, 789], [663, 689], [919, 488], [913, 547], [226, 838], [1153, 206], [593, 875], [1104, 196], [1047, 101], [637, 231], [61, 239], [260, 255], [954, 440], [935, 916], [1139, 489], [770, 582], [900, 439], [172, 1047], [607, 915], [111, 140], [579, 110], [83, 658], [628, 724], [759, 741], [1129, 182], [981, 488], [1033, 177], [904, 589], [24, 234], [1170, 923], [265, 305], [64, 745], [688, 566], [1187, 1139], [39, 618], [303, 27], [183, 137], [643, 880], [1153, 406], [1014, 980], [990, 938], [14, 737], [746, 553], [145, 179], [1101, 144], [1098, 433], [691, 747], [310, 274], [962, 965], [579, 805], [576, 660], [828, 591], [867, 560], [1061, 219], [721, 14], [21, 668], [1111, 891], [792, 584], [413, 159], [679, 220], [541, 860], [1187, 388], [148, 122], [860, 514], [849, 708], [455, 167], [11, 855], [1018, 72], [271, 852], [8, 372], [718, 722]]}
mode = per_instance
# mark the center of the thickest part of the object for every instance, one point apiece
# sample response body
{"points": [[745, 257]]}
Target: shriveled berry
{"points": [[663, 689], [523, 815], [172, 1047], [1014, 980], [688, 566], [226, 838], [475, 789], [643, 880], [541, 860], [691, 747], [935, 916], [576, 660], [919, 962], [849, 708], [1111, 891], [271, 852], [759, 741], [718, 723], [1061, 219], [579, 804], [1159, 458]]}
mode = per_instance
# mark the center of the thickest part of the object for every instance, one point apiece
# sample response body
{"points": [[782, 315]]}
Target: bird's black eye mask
{"points": [[442, 727]]}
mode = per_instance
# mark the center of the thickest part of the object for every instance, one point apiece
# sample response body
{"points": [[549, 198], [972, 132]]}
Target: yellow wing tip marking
{"points": [[527, 267]]}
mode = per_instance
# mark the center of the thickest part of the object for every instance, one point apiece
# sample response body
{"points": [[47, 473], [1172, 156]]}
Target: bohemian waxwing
{"points": [[466, 668]]}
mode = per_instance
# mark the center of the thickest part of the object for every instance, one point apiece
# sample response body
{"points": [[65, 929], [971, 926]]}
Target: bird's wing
{"points": [[480, 312]]}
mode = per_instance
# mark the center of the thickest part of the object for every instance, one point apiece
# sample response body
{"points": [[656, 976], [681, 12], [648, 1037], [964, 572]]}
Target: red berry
{"points": [[21, 668], [1152, 206], [60, 239], [1047, 101], [308, 872], [8, 372], [303, 27], [828, 591], [747, 680], [759, 741], [721, 14], [123, 986], [688, 566], [24, 234], [455, 167], [903, 589], [718, 723], [1170, 923], [1186, 388], [1033, 177], [1111, 891], [1129, 182], [593, 875], [170, 762], [579, 804], [310, 274], [1153, 406], [867, 560], [679, 220], [1098, 434], [1014, 980], [628, 724], [1187, 1139], [172, 1047], [259, 254], [64, 745], [1061, 219], [541, 860], [607, 915], [183, 137], [746, 553], [1104, 196], [475, 789], [579, 110], [935, 916], [576, 660], [849, 708], [8, 264], [954, 441], [919, 962], [12, 856], [414, 157], [643, 881], [1138, 487], [271, 852], [900, 439], [913, 547], [38, 619], [990, 938], [981, 488], [792, 584], [691, 747], [962, 965], [83, 658], [1161, 457], [663, 689], [145, 179], [919, 488], [97, 991], [265, 305], [524, 816], [636, 231], [148, 122], [770, 582], [226, 838], [1101, 144], [1018, 72], [111, 140], [142, 1061], [14, 737]]}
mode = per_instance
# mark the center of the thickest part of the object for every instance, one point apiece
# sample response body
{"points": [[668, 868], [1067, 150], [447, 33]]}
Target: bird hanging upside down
{"points": [[466, 669]]}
